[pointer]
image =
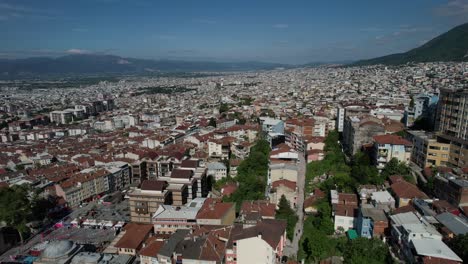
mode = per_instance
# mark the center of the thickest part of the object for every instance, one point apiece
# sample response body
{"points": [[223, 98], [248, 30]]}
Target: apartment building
{"points": [[83, 187], [428, 150], [61, 117], [387, 147], [145, 201], [452, 123]]}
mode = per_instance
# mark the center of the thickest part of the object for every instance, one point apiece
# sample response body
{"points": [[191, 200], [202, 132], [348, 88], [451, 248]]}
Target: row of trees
{"points": [[252, 174], [333, 164]]}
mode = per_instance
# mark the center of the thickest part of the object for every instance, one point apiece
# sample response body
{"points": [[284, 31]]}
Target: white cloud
{"points": [[122, 61], [281, 26], [78, 51], [453, 8]]}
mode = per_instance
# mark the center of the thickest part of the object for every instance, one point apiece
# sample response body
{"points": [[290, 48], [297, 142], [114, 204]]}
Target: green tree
{"points": [[16, 208], [459, 245], [411, 103], [362, 170], [223, 108], [395, 167], [285, 212], [306, 247], [212, 122], [363, 250]]}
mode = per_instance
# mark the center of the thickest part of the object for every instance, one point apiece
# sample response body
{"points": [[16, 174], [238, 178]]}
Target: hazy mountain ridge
{"points": [[97, 64], [450, 46]]}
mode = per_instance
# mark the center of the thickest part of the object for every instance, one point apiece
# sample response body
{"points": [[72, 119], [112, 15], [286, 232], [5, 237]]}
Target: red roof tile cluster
{"points": [[264, 208]]}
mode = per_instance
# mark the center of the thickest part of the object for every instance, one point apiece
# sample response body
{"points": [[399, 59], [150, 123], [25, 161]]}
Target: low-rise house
{"points": [[383, 200], [344, 210], [149, 253], [286, 188], [165, 254], [253, 211], [345, 217], [133, 238], [215, 212], [371, 222], [311, 201], [261, 243], [404, 192]]}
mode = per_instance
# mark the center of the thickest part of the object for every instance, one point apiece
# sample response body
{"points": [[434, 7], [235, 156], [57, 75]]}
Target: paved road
{"points": [[292, 247]]}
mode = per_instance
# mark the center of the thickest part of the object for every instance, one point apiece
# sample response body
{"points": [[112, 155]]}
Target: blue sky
{"points": [[294, 31]]}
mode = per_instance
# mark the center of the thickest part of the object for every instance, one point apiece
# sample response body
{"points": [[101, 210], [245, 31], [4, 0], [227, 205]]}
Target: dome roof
{"points": [[57, 249]]}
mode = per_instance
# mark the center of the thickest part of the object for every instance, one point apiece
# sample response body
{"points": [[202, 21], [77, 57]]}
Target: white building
{"points": [[217, 169]]}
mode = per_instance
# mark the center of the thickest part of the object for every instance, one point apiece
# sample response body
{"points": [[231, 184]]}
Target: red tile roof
{"points": [[228, 189], [407, 190], [345, 210], [265, 208], [214, 209], [391, 139], [134, 235], [290, 184], [153, 185], [153, 245]]}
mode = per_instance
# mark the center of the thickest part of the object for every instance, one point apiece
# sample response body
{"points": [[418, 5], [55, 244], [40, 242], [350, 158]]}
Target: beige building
{"points": [[286, 188], [283, 171], [83, 187], [428, 150], [145, 201]]}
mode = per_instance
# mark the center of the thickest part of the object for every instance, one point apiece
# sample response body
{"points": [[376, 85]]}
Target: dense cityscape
{"points": [[306, 164], [233, 132]]}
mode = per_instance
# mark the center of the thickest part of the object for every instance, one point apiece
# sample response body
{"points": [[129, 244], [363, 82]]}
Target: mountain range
{"points": [[450, 46], [83, 64]]}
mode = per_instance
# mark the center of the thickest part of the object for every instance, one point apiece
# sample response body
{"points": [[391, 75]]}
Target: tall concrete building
{"points": [[453, 113], [452, 123], [340, 115]]}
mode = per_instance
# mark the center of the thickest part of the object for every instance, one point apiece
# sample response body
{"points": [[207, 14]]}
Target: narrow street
{"points": [[293, 246]]}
